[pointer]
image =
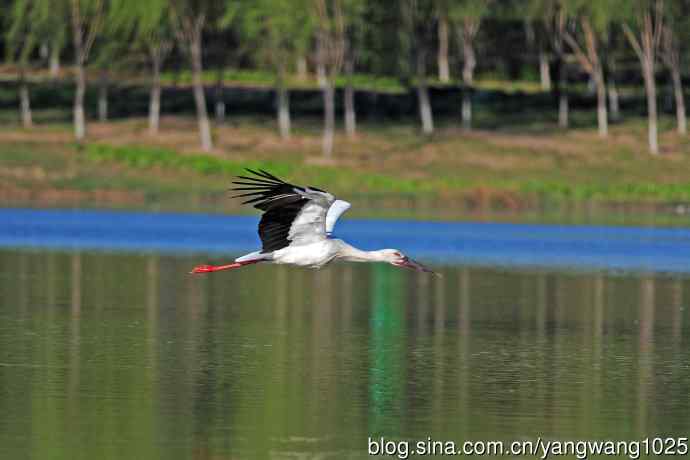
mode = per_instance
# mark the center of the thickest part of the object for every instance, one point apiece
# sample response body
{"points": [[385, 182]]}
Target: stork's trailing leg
{"points": [[217, 268]]}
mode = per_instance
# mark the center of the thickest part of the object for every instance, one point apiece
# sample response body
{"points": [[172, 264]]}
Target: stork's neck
{"points": [[352, 254]]}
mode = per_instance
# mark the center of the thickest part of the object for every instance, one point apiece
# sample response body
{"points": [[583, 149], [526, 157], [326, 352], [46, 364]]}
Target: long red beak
{"points": [[413, 264]]}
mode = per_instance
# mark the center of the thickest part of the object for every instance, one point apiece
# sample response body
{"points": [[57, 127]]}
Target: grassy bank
{"points": [[351, 181], [388, 167]]}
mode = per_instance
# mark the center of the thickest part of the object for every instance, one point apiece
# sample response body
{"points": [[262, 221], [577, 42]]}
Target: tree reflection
{"points": [[646, 358], [281, 362]]}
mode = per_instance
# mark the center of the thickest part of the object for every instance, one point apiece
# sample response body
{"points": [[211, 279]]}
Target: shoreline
{"points": [[388, 171]]}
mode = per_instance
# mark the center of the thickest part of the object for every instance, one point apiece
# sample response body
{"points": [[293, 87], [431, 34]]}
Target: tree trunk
{"points": [[425, 112], [302, 69], [199, 96], [80, 55], [602, 116], [24, 101], [54, 64], [470, 63], [650, 89], [544, 71], [614, 103], [563, 110], [283, 104], [329, 118], [155, 99], [321, 75], [466, 109], [103, 96], [349, 103], [27, 121], [425, 109], [563, 103], [320, 65], [79, 119], [680, 101], [220, 101], [443, 67]]}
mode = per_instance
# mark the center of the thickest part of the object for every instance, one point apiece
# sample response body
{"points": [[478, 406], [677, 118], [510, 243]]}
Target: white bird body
{"points": [[296, 227], [320, 253], [312, 255]]}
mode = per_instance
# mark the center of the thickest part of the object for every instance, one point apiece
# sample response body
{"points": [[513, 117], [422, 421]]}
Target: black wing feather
{"points": [[279, 201], [266, 176]]}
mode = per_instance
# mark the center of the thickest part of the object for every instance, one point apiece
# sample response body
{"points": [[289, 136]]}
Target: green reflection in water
{"points": [[387, 371], [127, 356]]}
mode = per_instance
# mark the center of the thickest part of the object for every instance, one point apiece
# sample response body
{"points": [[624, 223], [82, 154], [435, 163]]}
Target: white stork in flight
{"points": [[296, 226]]}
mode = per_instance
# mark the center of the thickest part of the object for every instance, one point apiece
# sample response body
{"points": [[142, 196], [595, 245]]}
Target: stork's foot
{"points": [[202, 269], [216, 268]]}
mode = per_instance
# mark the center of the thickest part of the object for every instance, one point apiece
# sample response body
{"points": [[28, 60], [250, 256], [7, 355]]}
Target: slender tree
{"points": [[415, 36], [86, 18], [55, 49], [544, 68], [467, 16], [21, 40], [443, 31], [644, 30], [282, 30], [148, 24], [159, 49], [224, 55], [586, 40], [670, 55], [302, 67], [355, 31], [320, 59], [54, 30], [219, 91], [613, 55], [674, 34], [555, 21], [331, 39], [30, 23], [103, 83], [536, 40], [109, 51], [189, 19]]}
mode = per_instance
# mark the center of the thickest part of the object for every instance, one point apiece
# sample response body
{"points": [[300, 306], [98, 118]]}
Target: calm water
{"points": [[123, 355]]}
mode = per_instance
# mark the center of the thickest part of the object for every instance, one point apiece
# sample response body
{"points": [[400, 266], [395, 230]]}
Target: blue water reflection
{"points": [[520, 245]]}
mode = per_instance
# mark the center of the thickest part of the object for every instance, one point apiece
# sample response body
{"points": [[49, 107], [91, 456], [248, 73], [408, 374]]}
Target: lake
{"points": [[110, 349]]}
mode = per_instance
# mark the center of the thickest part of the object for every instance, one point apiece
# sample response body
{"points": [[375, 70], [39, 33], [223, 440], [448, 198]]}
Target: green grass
{"points": [[351, 181], [148, 158], [268, 79], [623, 192]]}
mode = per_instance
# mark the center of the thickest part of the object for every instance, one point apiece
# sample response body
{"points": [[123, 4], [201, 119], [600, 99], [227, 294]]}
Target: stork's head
{"points": [[397, 258]]}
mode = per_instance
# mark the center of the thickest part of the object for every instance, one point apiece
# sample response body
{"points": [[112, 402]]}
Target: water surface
{"points": [[489, 244], [114, 353]]}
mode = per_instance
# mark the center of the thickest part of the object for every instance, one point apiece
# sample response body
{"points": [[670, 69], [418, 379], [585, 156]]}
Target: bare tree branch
{"points": [[634, 42], [579, 53], [94, 27]]}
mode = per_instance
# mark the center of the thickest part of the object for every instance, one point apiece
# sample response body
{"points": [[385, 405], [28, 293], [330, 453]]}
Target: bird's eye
{"points": [[397, 254]]}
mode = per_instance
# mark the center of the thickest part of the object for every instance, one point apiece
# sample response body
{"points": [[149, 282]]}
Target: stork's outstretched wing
{"points": [[292, 214]]}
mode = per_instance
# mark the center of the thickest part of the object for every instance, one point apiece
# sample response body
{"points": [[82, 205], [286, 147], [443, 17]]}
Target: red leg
{"points": [[217, 268]]}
